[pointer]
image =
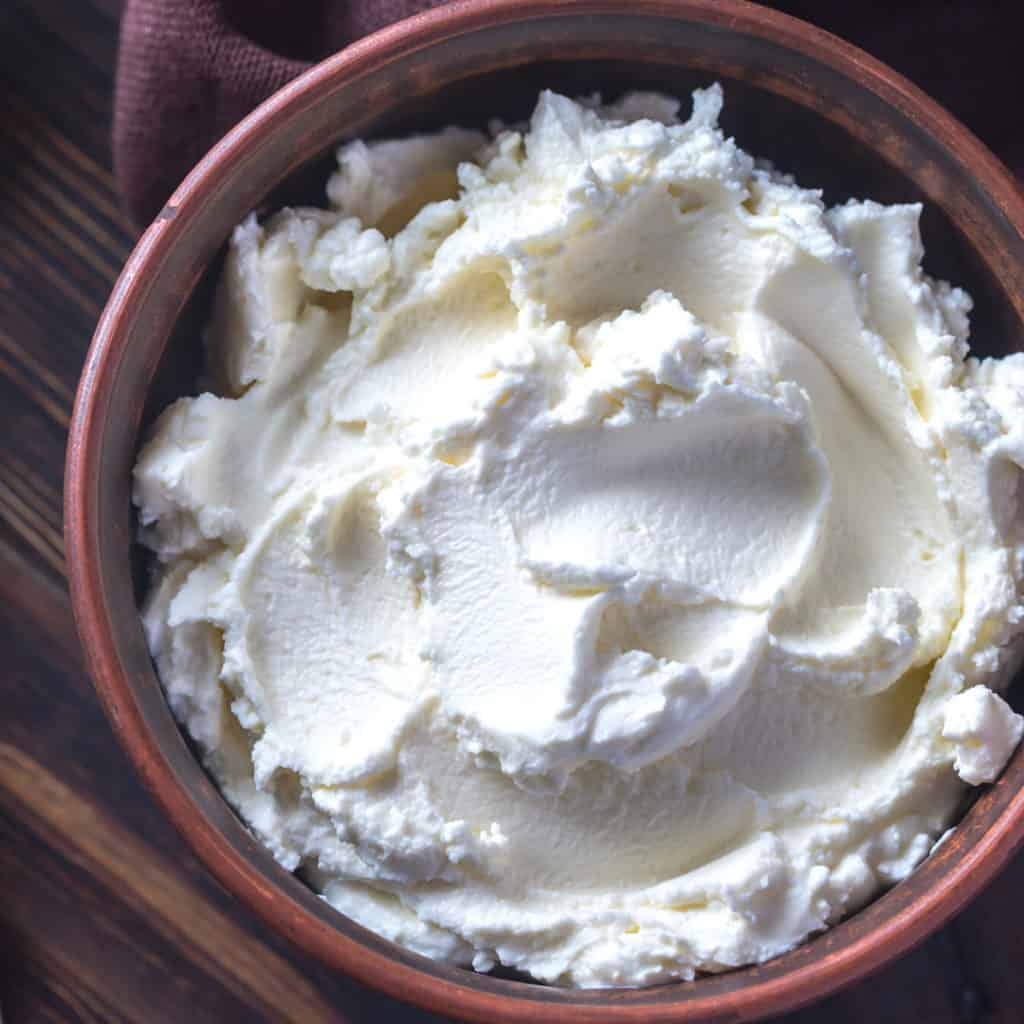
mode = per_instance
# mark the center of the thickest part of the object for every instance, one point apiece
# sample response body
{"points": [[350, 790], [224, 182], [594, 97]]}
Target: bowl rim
{"points": [[95, 624]]}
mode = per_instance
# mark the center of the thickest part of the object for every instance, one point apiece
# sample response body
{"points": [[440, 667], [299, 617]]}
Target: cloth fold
{"points": [[190, 69]]}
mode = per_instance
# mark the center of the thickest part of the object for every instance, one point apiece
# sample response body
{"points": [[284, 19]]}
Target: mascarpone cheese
{"points": [[594, 555]]}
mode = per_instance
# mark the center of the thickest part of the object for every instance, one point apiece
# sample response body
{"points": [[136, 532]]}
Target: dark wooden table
{"points": [[104, 913]]}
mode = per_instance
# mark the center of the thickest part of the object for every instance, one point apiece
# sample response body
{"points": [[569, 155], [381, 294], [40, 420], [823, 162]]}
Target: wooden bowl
{"points": [[814, 104]]}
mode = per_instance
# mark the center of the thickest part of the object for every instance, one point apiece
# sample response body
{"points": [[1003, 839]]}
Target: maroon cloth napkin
{"points": [[190, 69]]}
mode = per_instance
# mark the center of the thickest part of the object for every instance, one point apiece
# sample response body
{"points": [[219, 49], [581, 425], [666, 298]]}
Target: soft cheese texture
{"points": [[595, 555]]}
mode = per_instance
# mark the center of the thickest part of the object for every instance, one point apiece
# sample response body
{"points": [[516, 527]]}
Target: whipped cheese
{"points": [[593, 556]]}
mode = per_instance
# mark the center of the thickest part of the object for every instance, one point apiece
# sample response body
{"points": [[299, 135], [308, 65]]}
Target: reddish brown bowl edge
{"points": [[800, 986]]}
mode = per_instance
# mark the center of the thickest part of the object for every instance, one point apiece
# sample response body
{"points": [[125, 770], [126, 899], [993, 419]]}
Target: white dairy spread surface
{"points": [[593, 556]]}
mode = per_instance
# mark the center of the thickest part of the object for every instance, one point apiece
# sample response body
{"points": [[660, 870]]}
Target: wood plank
{"points": [[90, 180], [137, 875], [69, 226], [88, 303]]}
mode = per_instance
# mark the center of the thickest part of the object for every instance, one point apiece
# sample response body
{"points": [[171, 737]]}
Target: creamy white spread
{"points": [[594, 556]]}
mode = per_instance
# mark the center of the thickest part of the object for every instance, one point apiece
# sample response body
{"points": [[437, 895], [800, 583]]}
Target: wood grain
{"points": [[104, 914], [134, 873]]}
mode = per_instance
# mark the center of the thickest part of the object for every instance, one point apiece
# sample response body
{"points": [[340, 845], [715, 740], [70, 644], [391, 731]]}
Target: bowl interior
{"points": [[452, 82]]}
